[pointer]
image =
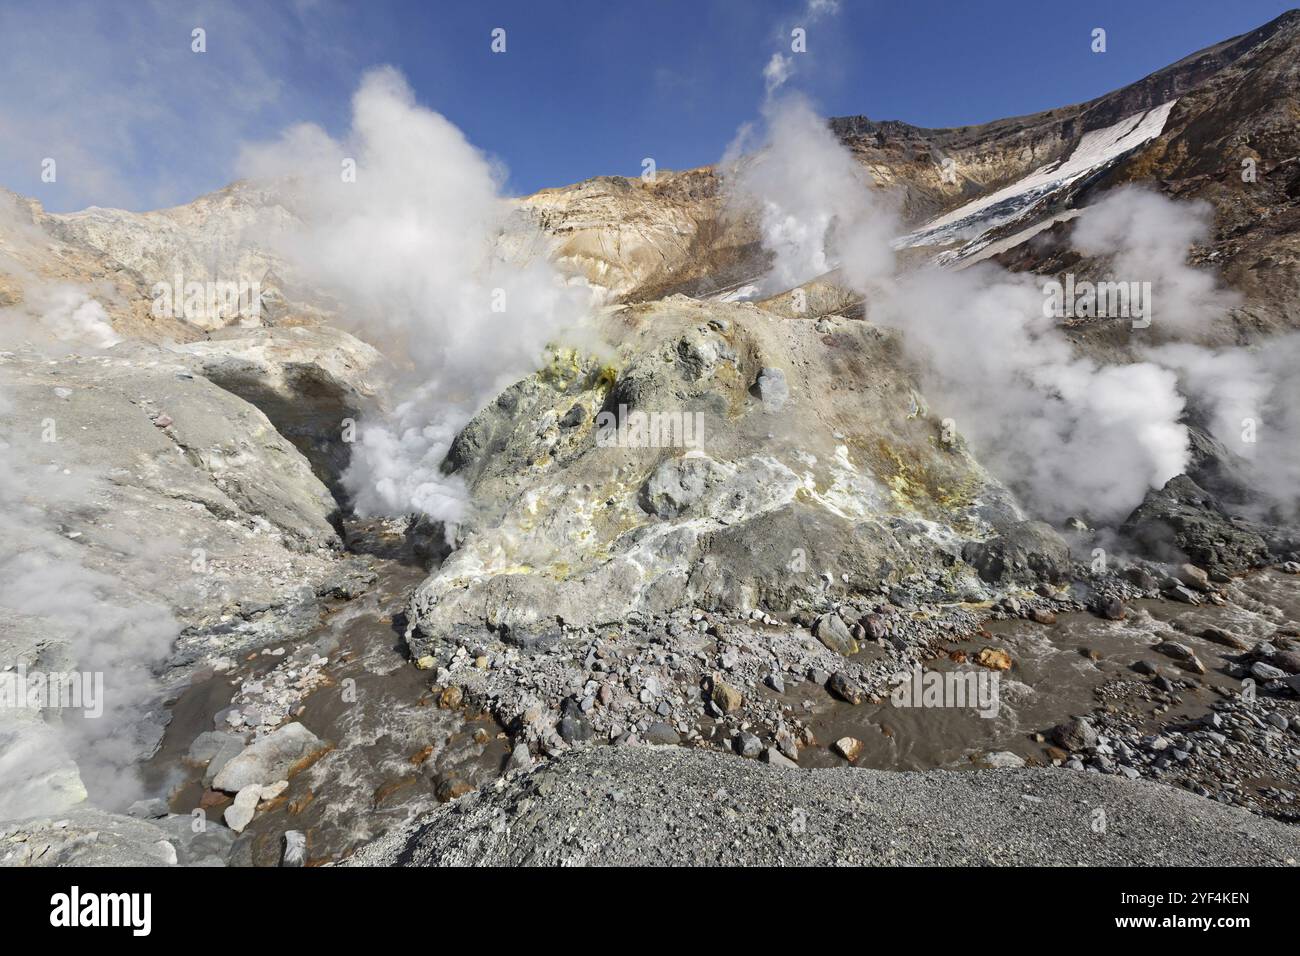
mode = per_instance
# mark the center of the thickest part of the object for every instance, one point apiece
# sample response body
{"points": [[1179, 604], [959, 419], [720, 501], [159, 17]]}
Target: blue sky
{"points": [[112, 91]]}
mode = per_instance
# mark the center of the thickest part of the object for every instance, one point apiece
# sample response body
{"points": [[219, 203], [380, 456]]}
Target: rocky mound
{"points": [[599, 536]]}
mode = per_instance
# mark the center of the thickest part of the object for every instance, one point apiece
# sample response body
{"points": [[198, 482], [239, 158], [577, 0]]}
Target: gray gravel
{"points": [[667, 806]]}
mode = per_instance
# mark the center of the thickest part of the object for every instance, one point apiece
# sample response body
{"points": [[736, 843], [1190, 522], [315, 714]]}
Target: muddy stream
{"points": [[392, 748], [395, 752], [1055, 674]]}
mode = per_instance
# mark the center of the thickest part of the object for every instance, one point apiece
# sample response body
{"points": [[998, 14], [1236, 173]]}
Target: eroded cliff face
{"points": [[642, 240]]}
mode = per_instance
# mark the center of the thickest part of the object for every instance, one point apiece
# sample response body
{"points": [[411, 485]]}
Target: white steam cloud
{"points": [[778, 70], [780, 67], [1147, 238], [81, 622], [1070, 434], [424, 257], [57, 312], [814, 202], [1251, 398]]}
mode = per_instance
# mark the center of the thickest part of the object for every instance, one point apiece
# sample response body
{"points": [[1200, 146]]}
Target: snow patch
{"points": [[1096, 149]]}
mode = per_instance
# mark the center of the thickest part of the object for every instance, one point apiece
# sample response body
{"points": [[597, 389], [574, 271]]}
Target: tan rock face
{"points": [[642, 240], [36, 263], [224, 237], [727, 697]]}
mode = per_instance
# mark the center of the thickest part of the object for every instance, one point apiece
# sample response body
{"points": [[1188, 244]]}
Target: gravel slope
{"points": [[670, 806]]}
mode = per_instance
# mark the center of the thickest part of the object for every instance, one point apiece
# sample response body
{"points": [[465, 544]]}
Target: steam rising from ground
{"points": [[1147, 238], [1070, 435], [814, 201], [1251, 402], [58, 310], [59, 615], [50, 311], [423, 255], [86, 623]]}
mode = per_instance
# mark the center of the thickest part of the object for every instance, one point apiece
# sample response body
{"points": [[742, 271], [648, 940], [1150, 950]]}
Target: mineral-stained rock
{"points": [[727, 698], [994, 659], [450, 788], [842, 686], [850, 748], [584, 527], [450, 698]]}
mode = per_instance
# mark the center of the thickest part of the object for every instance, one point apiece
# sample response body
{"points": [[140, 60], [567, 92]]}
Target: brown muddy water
{"points": [[1056, 672], [390, 745]]}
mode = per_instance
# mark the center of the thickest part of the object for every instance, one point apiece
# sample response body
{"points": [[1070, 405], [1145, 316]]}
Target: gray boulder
{"points": [[1027, 551], [772, 389], [274, 757], [677, 484], [1183, 522], [1075, 734], [831, 630]]}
